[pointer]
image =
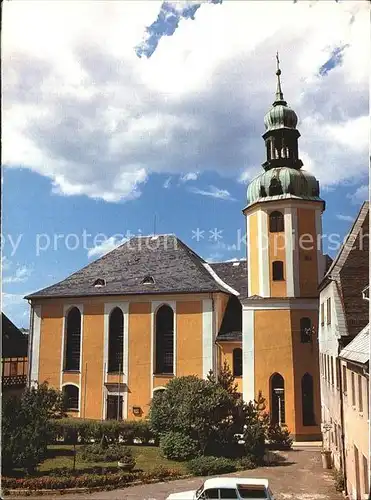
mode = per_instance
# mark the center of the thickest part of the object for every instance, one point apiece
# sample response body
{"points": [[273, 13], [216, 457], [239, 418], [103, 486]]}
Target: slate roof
{"points": [[358, 350], [231, 326], [174, 267], [350, 271], [233, 273], [14, 342]]}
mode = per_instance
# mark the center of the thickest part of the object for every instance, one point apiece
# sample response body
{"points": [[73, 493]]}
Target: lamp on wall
{"points": [[279, 393]]}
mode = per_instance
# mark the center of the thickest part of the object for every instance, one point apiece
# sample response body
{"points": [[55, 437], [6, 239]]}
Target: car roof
{"points": [[222, 482]]}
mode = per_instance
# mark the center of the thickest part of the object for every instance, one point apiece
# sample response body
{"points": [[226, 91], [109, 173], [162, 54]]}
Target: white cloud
{"points": [[167, 183], [190, 176], [16, 308], [214, 257], [360, 195], [347, 218], [86, 112], [6, 264], [214, 192], [21, 274], [107, 246]]}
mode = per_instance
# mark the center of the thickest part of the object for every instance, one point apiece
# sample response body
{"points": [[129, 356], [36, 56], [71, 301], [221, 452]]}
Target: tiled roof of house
{"points": [[350, 270], [234, 273], [358, 350], [142, 265], [14, 342]]}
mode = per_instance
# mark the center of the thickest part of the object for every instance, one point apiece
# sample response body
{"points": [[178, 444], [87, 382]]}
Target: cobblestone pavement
{"points": [[301, 477]]}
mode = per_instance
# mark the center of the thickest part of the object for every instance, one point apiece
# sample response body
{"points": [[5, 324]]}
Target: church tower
{"points": [[285, 266]]}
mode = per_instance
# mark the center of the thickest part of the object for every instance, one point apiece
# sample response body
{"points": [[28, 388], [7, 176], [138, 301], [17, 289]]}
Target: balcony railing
{"points": [[14, 372]]}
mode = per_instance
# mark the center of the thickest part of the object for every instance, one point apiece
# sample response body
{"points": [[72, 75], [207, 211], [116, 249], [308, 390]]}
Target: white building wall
{"points": [[328, 337]]}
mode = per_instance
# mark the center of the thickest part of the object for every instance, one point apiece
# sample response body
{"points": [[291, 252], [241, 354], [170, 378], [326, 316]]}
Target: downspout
{"points": [[342, 423], [30, 343]]}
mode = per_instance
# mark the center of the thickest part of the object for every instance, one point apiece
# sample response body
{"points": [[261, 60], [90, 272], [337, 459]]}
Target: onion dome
{"points": [[280, 182]]}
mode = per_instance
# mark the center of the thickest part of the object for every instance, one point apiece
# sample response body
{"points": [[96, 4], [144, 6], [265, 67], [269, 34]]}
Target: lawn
{"points": [[147, 458]]}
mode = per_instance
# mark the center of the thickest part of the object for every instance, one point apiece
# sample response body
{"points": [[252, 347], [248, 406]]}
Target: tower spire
{"points": [[279, 93]]}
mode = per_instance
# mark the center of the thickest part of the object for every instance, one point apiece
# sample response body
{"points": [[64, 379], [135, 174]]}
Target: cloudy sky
{"points": [[124, 116]]}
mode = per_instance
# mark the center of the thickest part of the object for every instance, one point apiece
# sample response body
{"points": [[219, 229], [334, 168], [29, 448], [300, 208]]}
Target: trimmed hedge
{"points": [[67, 429], [209, 466], [97, 453], [117, 479]]}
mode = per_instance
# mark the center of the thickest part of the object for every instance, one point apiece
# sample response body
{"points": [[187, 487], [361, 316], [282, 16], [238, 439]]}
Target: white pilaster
{"points": [[264, 288], [248, 240], [295, 244], [248, 365], [207, 337], [320, 256], [36, 333], [290, 290]]}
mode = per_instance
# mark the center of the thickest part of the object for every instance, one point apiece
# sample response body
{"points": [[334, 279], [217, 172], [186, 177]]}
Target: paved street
{"points": [[300, 478]]}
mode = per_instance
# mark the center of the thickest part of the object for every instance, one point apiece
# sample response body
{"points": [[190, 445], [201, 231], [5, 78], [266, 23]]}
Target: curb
{"points": [[27, 493]]}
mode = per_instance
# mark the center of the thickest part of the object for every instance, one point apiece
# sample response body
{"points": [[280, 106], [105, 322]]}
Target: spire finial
{"points": [[279, 93]]}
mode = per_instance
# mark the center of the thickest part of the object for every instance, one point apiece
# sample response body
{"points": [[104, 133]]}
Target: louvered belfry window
{"points": [[73, 334]]}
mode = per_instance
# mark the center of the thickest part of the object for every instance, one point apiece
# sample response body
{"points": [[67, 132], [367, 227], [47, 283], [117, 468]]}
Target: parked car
{"points": [[228, 488]]}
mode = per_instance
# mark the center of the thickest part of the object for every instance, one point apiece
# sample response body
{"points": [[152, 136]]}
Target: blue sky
{"points": [[169, 125]]}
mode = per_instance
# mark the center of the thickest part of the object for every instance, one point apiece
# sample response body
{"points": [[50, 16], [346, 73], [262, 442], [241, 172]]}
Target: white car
{"points": [[228, 488]]}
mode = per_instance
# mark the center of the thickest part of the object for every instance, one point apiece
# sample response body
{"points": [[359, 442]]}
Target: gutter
{"points": [[30, 343]]}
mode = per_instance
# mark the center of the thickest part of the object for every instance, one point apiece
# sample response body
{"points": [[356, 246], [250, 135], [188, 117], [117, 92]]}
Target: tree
{"points": [[191, 406], [25, 426]]}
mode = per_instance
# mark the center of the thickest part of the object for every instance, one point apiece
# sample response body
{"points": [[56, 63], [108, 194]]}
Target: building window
{"points": [[345, 382], [114, 407], [99, 282], [307, 399], [276, 222], [277, 399], [72, 357], [328, 311], [71, 394], [322, 314], [305, 330], [165, 340], [115, 340], [366, 476], [13, 368], [353, 389], [332, 370], [368, 399], [237, 362], [337, 364], [277, 268], [148, 280], [360, 398]]}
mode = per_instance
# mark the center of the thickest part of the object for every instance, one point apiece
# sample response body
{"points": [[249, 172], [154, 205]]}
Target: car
{"points": [[228, 488]]}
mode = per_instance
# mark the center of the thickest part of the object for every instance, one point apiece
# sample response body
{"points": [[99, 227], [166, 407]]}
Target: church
{"points": [[121, 328]]}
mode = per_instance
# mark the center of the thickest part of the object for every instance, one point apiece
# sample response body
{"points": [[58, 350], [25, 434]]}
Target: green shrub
{"points": [[279, 436], [254, 438], [339, 480], [97, 452], [245, 463], [177, 446], [208, 466]]}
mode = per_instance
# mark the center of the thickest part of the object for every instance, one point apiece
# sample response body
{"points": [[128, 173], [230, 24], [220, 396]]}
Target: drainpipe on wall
{"points": [[342, 423], [30, 342]]}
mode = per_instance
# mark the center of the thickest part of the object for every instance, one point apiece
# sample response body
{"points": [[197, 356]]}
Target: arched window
{"points": [[165, 340], [115, 340], [277, 405], [73, 334], [307, 399], [276, 222], [237, 362], [71, 395], [277, 270], [275, 187], [305, 330]]}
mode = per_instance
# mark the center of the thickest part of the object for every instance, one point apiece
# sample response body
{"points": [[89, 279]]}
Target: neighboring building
{"points": [[119, 329], [343, 313], [14, 357], [354, 368]]}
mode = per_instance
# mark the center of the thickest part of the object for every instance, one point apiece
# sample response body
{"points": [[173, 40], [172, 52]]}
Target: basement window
{"points": [[148, 280], [99, 282]]}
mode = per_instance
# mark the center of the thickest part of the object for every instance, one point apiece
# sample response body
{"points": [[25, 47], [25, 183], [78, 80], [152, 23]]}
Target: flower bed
{"points": [[110, 479]]}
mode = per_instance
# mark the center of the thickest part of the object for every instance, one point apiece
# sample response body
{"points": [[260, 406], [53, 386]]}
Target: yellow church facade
{"points": [[119, 329]]}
